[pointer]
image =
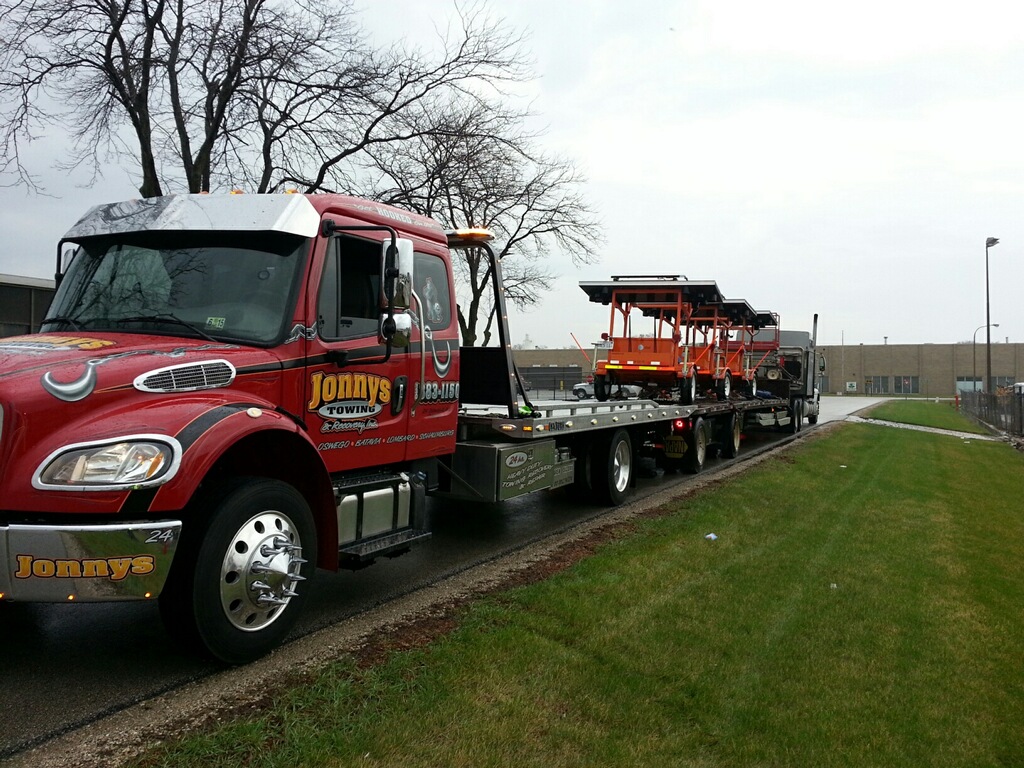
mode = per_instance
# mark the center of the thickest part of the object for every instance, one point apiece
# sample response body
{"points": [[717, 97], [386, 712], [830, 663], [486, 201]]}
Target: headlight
{"points": [[137, 461]]}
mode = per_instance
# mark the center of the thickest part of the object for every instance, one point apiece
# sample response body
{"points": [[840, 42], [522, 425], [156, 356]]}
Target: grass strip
{"points": [[926, 413], [860, 607]]}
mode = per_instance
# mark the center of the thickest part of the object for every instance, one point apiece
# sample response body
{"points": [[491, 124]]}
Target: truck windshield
{"points": [[239, 286]]}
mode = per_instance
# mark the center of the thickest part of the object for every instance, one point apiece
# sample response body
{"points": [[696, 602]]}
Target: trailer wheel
{"points": [[696, 446], [611, 468], [797, 416], [582, 483], [601, 387], [723, 389], [731, 444], [688, 389], [241, 586]]}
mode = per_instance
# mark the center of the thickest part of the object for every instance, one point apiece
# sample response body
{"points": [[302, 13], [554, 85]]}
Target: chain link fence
{"points": [[1005, 412]]}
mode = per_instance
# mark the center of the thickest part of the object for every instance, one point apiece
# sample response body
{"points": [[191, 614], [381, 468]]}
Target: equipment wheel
{"points": [[601, 387], [696, 447], [723, 388], [731, 443], [239, 588], [611, 468], [688, 389]]}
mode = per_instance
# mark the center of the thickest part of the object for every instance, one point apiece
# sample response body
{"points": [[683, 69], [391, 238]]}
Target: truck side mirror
{"points": [[396, 330], [397, 273], [821, 364]]}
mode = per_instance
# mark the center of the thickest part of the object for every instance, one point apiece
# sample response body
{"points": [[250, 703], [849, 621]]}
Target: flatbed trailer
{"points": [[593, 445]]}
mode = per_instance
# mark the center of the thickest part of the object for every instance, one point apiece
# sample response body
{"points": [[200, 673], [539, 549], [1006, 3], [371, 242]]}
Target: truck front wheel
{"points": [[241, 588]]}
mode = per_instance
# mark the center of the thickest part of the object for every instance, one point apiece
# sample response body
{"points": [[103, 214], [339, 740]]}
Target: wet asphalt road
{"points": [[67, 665]]}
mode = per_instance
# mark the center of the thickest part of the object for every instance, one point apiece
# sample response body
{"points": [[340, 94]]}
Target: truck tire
{"points": [[812, 419], [797, 416], [582, 482], [611, 468], [601, 388], [696, 447], [723, 389], [688, 389], [731, 439], [240, 588]]}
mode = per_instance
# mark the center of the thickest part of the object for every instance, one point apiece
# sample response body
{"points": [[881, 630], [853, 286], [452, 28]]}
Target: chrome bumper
{"points": [[86, 563]]}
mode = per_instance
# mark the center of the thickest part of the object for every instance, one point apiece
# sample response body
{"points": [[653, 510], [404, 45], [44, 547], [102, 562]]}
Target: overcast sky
{"points": [[845, 159]]}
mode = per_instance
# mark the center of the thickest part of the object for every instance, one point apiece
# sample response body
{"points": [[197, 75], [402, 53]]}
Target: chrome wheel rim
{"points": [[621, 466], [260, 571]]}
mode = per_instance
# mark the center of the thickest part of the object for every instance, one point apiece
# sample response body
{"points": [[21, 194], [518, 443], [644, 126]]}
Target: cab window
{"points": [[431, 283], [349, 304]]}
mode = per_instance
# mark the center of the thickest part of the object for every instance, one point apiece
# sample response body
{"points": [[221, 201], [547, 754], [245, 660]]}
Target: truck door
{"points": [[434, 375], [357, 403]]}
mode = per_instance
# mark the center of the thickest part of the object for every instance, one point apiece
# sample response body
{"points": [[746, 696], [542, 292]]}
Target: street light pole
{"points": [[989, 242], [974, 349]]}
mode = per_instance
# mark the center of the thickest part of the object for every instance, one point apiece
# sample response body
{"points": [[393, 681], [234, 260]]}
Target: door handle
{"points": [[401, 387]]}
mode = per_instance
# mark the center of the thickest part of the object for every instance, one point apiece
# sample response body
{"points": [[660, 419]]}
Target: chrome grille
{"points": [[188, 377]]}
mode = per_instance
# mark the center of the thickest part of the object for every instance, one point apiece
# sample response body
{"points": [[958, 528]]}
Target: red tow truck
{"points": [[231, 391]]}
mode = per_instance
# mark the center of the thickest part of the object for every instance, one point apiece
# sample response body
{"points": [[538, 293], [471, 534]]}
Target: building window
{"points": [[906, 385], [876, 385], [968, 384], [22, 308], [999, 382]]}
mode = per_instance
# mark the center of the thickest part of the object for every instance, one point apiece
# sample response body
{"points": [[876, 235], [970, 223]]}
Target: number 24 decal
{"points": [[161, 537]]}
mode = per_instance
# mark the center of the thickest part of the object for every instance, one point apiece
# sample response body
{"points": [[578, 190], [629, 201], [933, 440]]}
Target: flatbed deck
{"points": [[562, 417]]}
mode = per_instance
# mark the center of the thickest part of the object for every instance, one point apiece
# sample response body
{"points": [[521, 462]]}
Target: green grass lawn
{"points": [[926, 413], [862, 606]]}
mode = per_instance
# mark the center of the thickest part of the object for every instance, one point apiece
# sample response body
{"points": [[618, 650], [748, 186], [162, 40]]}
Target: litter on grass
{"points": [[711, 536]]}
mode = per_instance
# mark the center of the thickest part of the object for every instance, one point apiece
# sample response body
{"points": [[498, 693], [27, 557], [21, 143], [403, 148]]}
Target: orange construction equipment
{"points": [[696, 340]]}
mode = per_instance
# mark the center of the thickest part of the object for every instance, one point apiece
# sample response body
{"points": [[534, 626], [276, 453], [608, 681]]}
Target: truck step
{"points": [[363, 553]]}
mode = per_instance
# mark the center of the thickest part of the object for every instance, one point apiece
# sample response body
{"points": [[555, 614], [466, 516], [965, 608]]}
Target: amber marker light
{"points": [[468, 237]]}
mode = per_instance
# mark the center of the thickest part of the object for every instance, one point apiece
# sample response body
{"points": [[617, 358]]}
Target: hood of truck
{"points": [[71, 369], [59, 390]]}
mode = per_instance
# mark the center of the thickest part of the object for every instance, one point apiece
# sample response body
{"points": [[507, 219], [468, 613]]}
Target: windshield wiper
{"points": [[166, 317], [74, 322]]}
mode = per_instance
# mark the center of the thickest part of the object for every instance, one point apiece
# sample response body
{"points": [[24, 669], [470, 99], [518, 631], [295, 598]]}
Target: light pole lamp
{"points": [[974, 350], [989, 242]]}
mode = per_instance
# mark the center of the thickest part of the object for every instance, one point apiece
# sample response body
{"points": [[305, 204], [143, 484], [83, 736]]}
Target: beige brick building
{"points": [[932, 370]]}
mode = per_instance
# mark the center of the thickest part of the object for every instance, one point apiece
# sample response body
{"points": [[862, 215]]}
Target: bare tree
{"points": [[476, 166], [204, 92]]}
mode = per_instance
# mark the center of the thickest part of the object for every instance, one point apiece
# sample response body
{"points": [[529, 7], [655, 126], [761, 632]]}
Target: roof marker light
{"points": [[468, 237]]}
